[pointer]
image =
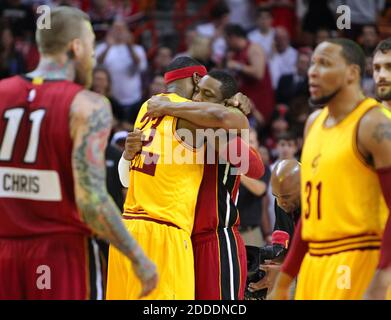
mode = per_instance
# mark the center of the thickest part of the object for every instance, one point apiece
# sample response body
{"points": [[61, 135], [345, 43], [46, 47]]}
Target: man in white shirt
{"points": [[125, 61], [284, 58], [264, 34]]}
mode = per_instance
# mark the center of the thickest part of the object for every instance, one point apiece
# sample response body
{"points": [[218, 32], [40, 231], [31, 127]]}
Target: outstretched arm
{"points": [[202, 114], [291, 266], [90, 121]]}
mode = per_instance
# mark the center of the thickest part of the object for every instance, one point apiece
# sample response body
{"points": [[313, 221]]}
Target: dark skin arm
{"points": [[202, 114], [284, 280], [90, 124]]}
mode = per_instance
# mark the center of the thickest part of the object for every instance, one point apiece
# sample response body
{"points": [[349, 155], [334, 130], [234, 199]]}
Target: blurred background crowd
{"points": [[265, 44]]}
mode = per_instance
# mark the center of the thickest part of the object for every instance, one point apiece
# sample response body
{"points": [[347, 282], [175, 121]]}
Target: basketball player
{"points": [[382, 71], [345, 183], [161, 201], [382, 77], [215, 236], [52, 195]]}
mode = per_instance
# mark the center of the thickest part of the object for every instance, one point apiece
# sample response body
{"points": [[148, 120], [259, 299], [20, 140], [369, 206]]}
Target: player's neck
{"points": [[344, 103], [178, 88], [54, 69]]}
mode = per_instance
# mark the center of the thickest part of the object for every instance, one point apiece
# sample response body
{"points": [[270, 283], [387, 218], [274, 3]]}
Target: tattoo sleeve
{"points": [[97, 208]]}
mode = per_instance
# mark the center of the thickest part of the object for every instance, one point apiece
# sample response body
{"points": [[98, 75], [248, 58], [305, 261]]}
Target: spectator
{"points": [[369, 38], [264, 34], [284, 14], [125, 61], [251, 194], [11, 60], [318, 16], [157, 85], [286, 147], [368, 84], [363, 12], [18, 17], [215, 30], [200, 49], [279, 125], [295, 84], [130, 11], [322, 34], [242, 13], [284, 58], [248, 61], [162, 59], [189, 36], [102, 15], [101, 83]]}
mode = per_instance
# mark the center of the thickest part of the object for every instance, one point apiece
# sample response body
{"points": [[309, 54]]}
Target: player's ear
{"points": [[196, 78], [76, 49], [354, 73]]}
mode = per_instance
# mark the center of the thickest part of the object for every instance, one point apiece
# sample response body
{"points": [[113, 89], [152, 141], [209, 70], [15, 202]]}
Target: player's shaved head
{"points": [[285, 182], [66, 24], [286, 172]]}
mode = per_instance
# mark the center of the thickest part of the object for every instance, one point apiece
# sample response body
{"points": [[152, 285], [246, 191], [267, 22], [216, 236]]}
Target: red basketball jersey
{"points": [[217, 198], [36, 181]]}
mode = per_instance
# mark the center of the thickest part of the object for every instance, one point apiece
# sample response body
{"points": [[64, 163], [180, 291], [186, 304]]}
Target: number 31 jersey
{"points": [[342, 202], [36, 179]]}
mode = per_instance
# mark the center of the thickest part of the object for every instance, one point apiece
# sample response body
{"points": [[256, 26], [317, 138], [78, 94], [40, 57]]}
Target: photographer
{"points": [[285, 182]]}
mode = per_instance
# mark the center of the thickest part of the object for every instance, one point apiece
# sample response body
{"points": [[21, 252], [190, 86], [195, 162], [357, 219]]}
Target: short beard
{"points": [[316, 103], [83, 78], [383, 97]]}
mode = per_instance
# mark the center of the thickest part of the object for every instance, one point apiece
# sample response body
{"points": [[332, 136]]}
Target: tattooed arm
{"points": [[374, 143], [374, 138], [90, 124]]}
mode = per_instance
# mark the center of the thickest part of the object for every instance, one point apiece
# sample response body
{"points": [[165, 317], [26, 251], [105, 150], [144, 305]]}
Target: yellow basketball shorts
{"points": [[340, 276], [169, 248]]}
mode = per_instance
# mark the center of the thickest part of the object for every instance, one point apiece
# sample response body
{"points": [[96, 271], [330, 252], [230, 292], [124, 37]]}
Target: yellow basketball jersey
{"points": [[166, 176], [342, 202]]}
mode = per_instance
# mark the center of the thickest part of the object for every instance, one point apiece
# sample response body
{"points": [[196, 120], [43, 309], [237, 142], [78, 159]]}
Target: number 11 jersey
{"points": [[36, 180]]}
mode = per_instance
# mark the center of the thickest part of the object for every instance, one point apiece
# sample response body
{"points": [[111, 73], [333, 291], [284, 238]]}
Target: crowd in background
{"points": [[265, 44]]}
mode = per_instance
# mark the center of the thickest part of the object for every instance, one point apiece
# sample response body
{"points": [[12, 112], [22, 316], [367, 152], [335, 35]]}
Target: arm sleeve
{"points": [[123, 171], [385, 251], [296, 253]]}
